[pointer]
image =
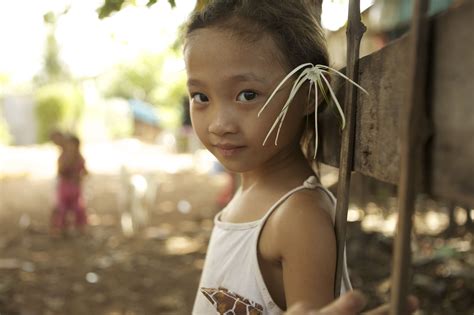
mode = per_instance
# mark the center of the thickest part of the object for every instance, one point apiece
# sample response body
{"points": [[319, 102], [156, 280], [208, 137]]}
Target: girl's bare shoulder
{"points": [[304, 217], [314, 205]]}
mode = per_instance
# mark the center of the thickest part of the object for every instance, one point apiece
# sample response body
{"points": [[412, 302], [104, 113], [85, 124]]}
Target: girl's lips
{"points": [[229, 150]]}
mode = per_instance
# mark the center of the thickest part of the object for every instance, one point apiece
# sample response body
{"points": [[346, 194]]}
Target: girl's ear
{"points": [[309, 104]]}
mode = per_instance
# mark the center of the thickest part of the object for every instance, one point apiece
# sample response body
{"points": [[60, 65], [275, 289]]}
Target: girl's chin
{"points": [[233, 167]]}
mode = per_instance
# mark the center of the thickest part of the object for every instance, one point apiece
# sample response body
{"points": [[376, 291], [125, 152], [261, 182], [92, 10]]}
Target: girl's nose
{"points": [[222, 123]]}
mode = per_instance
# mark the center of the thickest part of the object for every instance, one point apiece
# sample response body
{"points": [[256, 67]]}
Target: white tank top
{"points": [[231, 281]]}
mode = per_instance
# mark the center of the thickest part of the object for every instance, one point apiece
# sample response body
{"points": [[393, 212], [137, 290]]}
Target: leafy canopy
{"points": [[111, 6]]}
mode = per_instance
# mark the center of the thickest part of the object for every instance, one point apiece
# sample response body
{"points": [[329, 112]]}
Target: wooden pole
{"points": [[355, 30], [412, 127]]}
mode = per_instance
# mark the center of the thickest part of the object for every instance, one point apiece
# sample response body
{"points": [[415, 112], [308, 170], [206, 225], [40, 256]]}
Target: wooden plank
{"points": [[450, 97]]}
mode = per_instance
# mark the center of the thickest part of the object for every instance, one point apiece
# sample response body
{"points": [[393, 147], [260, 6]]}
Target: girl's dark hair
{"points": [[293, 24]]}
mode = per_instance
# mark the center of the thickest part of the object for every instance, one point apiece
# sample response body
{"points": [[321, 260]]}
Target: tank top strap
{"points": [[310, 183]]}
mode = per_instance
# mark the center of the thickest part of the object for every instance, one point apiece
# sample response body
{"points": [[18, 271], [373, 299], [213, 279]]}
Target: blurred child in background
{"points": [[71, 171]]}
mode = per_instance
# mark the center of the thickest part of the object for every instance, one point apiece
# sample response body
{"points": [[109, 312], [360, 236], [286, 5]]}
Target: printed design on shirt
{"points": [[230, 303]]}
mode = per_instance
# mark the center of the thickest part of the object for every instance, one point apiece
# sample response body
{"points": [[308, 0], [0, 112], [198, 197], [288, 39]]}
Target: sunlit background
{"points": [[112, 78], [88, 46]]}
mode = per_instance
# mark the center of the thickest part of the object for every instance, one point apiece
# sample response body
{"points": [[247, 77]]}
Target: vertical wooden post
{"points": [[412, 128], [354, 32]]}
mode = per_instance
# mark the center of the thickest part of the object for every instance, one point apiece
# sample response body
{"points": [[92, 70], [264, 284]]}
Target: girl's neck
{"points": [[290, 167]]}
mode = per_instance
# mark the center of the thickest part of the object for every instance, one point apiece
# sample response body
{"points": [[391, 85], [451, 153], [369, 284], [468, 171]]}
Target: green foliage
{"points": [[57, 106], [169, 97], [49, 18], [170, 93], [52, 64], [136, 80], [111, 6], [53, 68], [146, 80]]}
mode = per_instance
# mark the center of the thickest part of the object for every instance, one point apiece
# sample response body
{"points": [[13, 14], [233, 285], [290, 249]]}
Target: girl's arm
{"points": [[351, 303], [307, 246]]}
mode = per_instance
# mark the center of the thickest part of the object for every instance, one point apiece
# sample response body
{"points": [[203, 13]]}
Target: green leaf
{"points": [[49, 18], [150, 3], [109, 7]]}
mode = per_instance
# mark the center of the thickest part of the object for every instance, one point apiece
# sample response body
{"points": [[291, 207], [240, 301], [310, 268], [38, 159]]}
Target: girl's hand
{"points": [[349, 304]]}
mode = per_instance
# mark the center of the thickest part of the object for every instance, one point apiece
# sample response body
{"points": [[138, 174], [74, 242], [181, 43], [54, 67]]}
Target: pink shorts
{"points": [[69, 198]]}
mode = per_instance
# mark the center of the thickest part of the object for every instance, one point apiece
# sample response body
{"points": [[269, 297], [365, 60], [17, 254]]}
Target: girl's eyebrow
{"points": [[241, 77], [193, 82], [249, 76]]}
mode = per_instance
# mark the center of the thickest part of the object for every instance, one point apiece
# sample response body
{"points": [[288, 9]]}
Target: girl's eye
{"points": [[199, 97], [246, 96]]}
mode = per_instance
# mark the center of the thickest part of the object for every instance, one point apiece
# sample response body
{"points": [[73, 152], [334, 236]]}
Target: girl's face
{"points": [[229, 80]]}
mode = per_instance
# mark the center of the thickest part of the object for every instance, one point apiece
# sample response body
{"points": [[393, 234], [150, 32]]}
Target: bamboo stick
{"points": [[354, 33], [412, 120]]}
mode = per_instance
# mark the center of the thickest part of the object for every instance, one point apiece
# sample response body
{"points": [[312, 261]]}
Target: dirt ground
{"points": [[155, 269]]}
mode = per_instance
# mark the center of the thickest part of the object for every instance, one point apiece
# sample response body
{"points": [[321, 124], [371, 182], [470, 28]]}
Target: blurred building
{"points": [[18, 111], [146, 122]]}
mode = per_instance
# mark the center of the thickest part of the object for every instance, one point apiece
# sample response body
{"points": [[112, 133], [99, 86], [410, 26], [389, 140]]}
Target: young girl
{"points": [[273, 245], [71, 170]]}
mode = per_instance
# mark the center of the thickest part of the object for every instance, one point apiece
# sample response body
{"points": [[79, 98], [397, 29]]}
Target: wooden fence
{"points": [[414, 129], [449, 162]]}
